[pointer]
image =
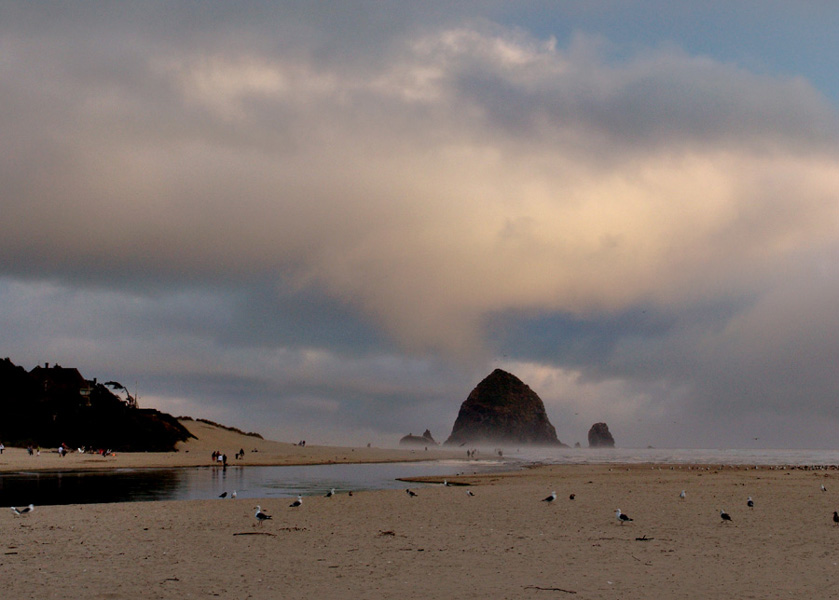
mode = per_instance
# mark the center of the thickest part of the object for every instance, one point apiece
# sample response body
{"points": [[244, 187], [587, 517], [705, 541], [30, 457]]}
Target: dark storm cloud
{"points": [[339, 214]]}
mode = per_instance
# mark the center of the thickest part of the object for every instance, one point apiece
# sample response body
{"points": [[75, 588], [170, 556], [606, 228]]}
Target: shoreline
{"points": [[210, 438], [503, 542]]}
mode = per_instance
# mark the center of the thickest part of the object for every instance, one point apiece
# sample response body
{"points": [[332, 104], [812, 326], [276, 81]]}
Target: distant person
{"points": [[2, 447]]}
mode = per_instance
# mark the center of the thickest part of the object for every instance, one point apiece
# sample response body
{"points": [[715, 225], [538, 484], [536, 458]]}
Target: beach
{"points": [[503, 542], [197, 452]]}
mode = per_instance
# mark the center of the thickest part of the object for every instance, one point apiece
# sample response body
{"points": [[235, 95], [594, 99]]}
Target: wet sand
{"points": [[504, 542]]}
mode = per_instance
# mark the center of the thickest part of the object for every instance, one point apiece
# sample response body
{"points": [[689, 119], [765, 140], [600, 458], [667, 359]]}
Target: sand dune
{"points": [[197, 452]]}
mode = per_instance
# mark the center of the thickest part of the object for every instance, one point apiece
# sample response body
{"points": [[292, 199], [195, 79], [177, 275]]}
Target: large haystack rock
{"points": [[600, 437], [503, 410]]}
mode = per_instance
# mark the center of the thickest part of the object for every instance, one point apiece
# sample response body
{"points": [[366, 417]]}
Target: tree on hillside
{"points": [[117, 386]]}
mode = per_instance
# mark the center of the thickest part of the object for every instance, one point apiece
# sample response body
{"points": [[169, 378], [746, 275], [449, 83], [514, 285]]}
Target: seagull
{"points": [[233, 495], [682, 494], [261, 516], [824, 489], [469, 493], [550, 498], [330, 493], [445, 483], [223, 495], [750, 503], [724, 515], [621, 517], [835, 517], [297, 502], [24, 510], [410, 493]]}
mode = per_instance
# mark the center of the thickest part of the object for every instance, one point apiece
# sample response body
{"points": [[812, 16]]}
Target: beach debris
{"points": [[643, 538], [549, 589], [260, 516], [550, 498], [622, 518], [572, 496], [23, 511], [297, 502], [836, 517], [724, 515]]}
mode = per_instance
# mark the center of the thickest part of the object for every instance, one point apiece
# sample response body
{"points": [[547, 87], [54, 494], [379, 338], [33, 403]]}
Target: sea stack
{"points": [[503, 410], [418, 440], [600, 437]]}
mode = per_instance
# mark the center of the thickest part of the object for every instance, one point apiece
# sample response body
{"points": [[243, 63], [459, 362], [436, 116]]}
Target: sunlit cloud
{"points": [[420, 195]]}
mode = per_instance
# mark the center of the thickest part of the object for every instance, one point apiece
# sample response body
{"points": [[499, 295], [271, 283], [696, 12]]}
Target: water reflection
{"points": [[139, 485]]}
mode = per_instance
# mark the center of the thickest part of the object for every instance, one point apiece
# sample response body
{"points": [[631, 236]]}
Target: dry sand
{"points": [[198, 453], [502, 543]]}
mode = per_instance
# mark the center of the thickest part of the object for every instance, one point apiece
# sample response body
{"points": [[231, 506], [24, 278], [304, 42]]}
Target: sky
{"points": [[331, 222]]}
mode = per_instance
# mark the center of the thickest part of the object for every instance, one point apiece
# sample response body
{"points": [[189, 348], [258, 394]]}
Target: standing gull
{"points": [[297, 502], [750, 503], [330, 493], [411, 493], [836, 517], [724, 515], [261, 517], [682, 494], [223, 495], [24, 510], [550, 498], [621, 517], [824, 489], [469, 493]]}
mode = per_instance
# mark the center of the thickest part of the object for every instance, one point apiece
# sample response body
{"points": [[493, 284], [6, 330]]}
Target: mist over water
{"points": [[766, 457]]}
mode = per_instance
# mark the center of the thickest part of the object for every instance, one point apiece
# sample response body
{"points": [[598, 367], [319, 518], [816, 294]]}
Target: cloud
{"points": [[440, 189]]}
